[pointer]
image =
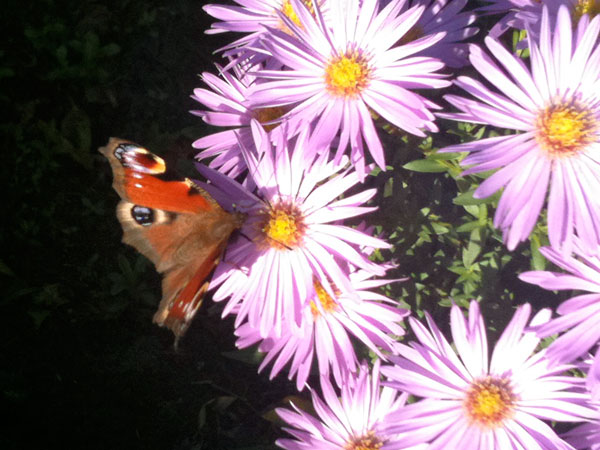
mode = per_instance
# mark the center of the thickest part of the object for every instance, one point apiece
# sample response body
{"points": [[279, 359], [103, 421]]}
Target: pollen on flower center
{"points": [[369, 441], [347, 75], [328, 304], [283, 227], [266, 115], [288, 10], [490, 401], [589, 7], [565, 129]]}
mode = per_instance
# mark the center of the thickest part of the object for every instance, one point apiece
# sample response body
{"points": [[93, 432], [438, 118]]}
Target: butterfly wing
{"points": [[174, 223]]}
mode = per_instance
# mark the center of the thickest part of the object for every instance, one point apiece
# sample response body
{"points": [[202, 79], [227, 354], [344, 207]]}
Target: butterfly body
{"points": [[174, 223]]}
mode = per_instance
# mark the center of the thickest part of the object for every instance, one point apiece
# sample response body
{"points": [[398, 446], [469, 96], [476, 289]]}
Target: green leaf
{"points": [[126, 269], [38, 315], [468, 227], [424, 165], [444, 156], [5, 270], [77, 136], [470, 254], [439, 228], [466, 198], [249, 356], [111, 49], [472, 209], [538, 262], [223, 402]]}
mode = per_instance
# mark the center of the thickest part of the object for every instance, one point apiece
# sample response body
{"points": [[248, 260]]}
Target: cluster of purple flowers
{"points": [[298, 104]]}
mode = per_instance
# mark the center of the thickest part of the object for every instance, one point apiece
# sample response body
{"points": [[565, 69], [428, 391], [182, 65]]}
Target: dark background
{"points": [[82, 364]]}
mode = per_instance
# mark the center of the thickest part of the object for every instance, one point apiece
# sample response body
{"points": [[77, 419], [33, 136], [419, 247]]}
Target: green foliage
{"points": [[450, 250]]}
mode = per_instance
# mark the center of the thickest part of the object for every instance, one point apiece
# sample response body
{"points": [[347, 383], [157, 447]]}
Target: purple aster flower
{"points": [[291, 235], [356, 421], [587, 436], [472, 403], [518, 14], [580, 315], [577, 8], [505, 6], [251, 17], [344, 69], [447, 17], [556, 107], [325, 328], [228, 107], [593, 378], [527, 14]]}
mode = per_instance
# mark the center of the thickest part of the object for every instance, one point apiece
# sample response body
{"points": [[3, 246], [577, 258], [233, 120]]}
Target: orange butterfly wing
{"points": [[174, 223]]}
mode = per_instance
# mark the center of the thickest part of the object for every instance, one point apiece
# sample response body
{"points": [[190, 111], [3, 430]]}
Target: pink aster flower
{"points": [[472, 403], [518, 14], [292, 233], [227, 102], [251, 17], [356, 421], [326, 326], [228, 107], [580, 315], [593, 378], [504, 6], [577, 8], [587, 436], [527, 14], [343, 69], [444, 16], [556, 108]]}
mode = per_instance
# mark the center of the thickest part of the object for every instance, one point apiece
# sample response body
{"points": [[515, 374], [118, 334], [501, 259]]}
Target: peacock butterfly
{"points": [[174, 223]]}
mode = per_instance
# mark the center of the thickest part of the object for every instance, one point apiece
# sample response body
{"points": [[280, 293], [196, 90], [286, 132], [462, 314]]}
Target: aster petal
{"points": [[471, 341], [503, 356]]}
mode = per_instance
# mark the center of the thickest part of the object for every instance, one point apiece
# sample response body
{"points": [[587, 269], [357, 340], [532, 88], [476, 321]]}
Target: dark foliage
{"points": [[82, 364]]}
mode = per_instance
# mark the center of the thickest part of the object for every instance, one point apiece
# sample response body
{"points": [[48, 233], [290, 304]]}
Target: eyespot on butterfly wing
{"points": [[174, 223]]}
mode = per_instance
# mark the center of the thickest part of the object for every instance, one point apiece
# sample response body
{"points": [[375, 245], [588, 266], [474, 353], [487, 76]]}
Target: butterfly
{"points": [[174, 223]]}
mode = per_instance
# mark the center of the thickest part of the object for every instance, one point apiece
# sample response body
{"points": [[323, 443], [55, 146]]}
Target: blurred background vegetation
{"points": [[82, 364]]}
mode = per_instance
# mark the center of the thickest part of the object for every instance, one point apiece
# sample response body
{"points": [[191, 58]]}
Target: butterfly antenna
{"points": [[280, 243]]}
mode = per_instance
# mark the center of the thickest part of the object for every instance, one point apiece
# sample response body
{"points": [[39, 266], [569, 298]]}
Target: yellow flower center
{"points": [[369, 441], [589, 7], [489, 402], [283, 227], [290, 13], [265, 115], [347, 75], [565, 129], [327, 302]]}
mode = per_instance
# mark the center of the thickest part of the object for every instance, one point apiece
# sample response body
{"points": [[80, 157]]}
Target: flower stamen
{"points": [[589, 7], [268, 116], [283, 227], [368, 441], [328, 304], [489, 402], [565, 129], [288, 10], [347, 75]]}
